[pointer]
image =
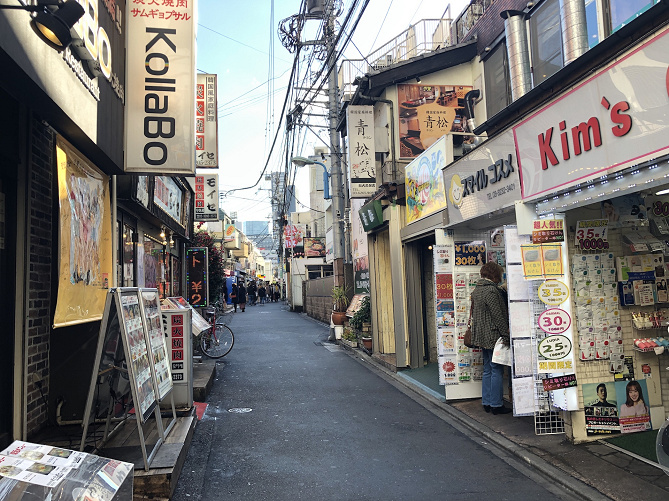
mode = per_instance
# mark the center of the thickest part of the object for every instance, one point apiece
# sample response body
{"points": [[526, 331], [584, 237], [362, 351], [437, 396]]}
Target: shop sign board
{"points": [[592, 234], [197, 276], [206, 197], [293, 235], [361, 151], [553, 292], [424, 182], [547, 230], [160, 104], [371, 215], [559, 382], [206, 121], [554, 321], [484, 180], [611, 121], [470, 253]]}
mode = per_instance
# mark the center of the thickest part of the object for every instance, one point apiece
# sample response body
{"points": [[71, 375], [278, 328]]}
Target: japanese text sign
{"points": [[206, 197], [293, 235], [371, 215], [591, 234], [547, 230], [361, 150], [470, 253], [197, 269], [206, 122]]}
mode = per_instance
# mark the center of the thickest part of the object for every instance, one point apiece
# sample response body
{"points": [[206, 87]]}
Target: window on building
{"points": [[546, 41], [497, 84], [625, 11], [591, 7]]}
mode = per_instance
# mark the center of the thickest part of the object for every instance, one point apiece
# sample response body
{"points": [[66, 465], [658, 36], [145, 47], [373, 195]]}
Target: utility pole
{"points": [[338, 205]]}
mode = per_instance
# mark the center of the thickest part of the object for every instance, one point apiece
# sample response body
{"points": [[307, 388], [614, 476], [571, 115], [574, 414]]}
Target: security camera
{"points": [[338, 213]]}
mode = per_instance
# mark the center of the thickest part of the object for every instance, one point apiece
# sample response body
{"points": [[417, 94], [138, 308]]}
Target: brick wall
{"points": [[41, 242], [491, 25]]}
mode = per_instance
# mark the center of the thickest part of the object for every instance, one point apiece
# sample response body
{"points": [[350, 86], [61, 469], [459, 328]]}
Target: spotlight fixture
{"points": [[51, 24], [418, 79]]}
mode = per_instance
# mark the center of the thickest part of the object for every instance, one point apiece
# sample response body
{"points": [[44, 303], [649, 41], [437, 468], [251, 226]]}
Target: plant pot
{"points": [[367, 343], [338, 317]]}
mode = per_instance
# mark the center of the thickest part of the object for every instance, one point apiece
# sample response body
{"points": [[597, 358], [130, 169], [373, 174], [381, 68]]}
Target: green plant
{"points": [[349, 335], [339, 298], [363, 314]]}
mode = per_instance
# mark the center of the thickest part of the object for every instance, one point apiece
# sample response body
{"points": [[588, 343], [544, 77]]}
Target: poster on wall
{"points": [[85, 252], [359, 250], [443, 259], [425, 182], [448, 373], [314, 246], [620, 407], [428, 112]]}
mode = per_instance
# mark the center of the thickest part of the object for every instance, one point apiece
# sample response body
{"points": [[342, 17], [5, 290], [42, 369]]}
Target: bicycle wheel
{"points": [[219, 344]]}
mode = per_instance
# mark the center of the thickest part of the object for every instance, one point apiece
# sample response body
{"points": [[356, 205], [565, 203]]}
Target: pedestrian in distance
{"points": [[234, 296], [252, 290], [490, 321], [262, 293], [241, 296]]}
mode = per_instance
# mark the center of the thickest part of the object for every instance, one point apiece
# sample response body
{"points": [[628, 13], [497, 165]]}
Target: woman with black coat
{"points": [[234, 296], [241, 296]]}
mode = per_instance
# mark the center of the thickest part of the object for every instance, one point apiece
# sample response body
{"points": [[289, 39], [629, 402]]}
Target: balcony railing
{"points": [[423, 37]]}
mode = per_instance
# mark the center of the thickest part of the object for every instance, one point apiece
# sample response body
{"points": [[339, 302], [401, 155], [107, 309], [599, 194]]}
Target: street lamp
{"points": [[301, 161]]}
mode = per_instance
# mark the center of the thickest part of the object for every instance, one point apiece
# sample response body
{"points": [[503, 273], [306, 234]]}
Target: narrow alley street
{"points": [[320, 425]]}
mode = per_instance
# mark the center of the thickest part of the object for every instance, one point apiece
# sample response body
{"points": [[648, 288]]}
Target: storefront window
{"points": [[128, 256], [625, 11], [546, 43], [498, 89], [591, 19]]}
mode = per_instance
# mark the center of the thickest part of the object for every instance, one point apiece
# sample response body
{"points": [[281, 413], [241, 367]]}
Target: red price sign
{"points": [[444, 286], [554, 321], [591, 234]]}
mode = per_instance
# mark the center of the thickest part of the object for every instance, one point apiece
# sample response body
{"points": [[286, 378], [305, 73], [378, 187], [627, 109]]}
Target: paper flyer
{"points": [[54, 456], [448, 372], [31, 471], [446, 341]]}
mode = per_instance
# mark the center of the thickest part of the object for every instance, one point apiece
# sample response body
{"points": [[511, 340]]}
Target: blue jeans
{"points": [[493, 381]]}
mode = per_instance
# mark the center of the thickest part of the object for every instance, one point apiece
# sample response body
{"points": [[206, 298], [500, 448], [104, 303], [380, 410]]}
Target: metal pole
{"points": [[338, 205]]}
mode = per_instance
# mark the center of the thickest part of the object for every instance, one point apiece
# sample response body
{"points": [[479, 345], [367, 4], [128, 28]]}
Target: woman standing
{"points": [[234, 296], [241, 296], [490, 321]]}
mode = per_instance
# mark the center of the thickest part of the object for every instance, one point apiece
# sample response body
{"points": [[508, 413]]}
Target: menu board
{"points": [[137, 354], [156, 340]]}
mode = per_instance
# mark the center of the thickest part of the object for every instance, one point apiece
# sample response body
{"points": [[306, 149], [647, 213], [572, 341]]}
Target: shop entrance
{"points": [[8, 267], [420, 301]]}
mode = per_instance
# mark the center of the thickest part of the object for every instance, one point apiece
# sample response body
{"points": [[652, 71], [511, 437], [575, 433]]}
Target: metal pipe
{"points": [[392, 131], [518, 52], [574, 29]]}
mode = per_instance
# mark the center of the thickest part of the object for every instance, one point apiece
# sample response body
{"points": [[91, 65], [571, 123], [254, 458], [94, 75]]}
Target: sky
{"points": [[238, 41]]}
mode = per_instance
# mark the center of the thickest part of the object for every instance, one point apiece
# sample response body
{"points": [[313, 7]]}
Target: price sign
{"points": [[470, 253], [554, 321], [553, 292], [591, 234], [444, 286], [555, 347]]}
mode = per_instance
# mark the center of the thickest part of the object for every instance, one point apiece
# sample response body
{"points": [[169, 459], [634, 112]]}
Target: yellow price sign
{"points": [[553, 292]]}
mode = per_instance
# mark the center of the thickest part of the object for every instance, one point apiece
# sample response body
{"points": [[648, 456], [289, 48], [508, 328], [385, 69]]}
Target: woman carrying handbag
{"points": [[490, 321]]}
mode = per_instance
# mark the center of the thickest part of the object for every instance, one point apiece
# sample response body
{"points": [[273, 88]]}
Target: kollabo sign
{"points": [[613, 120], [160, 104], [485, 178]]}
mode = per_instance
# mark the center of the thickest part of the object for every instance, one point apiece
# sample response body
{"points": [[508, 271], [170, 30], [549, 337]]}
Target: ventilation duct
{"points": [[518, 52], [574, 29]]}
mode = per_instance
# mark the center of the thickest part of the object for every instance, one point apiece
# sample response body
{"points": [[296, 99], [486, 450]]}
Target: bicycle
{"points": [[217, 341]]}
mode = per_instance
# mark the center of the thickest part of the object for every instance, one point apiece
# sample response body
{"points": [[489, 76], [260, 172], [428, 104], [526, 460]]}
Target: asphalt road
{"points": [[291, 418]]}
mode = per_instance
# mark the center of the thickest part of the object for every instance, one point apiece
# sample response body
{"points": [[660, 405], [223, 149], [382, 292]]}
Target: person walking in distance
{"points": [[490, 321], [234, 296], [241, 295], [262, 293]]}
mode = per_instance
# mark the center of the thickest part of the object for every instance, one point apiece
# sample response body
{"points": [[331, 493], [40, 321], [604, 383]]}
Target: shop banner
{"points": [[485, 179], [314, 247], [293, 235], [206, 121], [206, 197], [360, 250], [160, 91], [85, 251], [425, 183], [361, 151], [427, 112], [547, 230], [611, 121]]}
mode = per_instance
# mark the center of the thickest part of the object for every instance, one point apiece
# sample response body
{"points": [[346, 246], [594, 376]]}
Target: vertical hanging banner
{"points": [[361, 152], [85, 251], [206, 197], [206, 122], [197, 271], [160, 74]]}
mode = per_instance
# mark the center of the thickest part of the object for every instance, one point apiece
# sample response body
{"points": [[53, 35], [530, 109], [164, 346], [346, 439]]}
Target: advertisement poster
{"points": [[427, 112], [446, 341], [443, 259], [25, 470], [532, 262], [167, 197], [138, 352], [547, 230], [470, 253], [601, 409], [448, 373], [314, 247], [359, 250], [154, 326], [633, 407], [85, 252], [444, 283], [425, 182]]}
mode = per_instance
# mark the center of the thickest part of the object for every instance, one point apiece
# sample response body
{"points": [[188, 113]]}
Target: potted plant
{"points": [[350, 338], [339, 304], [361, 321]]}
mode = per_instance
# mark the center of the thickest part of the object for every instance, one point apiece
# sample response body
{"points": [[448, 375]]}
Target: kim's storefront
{"points": [[586, 255]]}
